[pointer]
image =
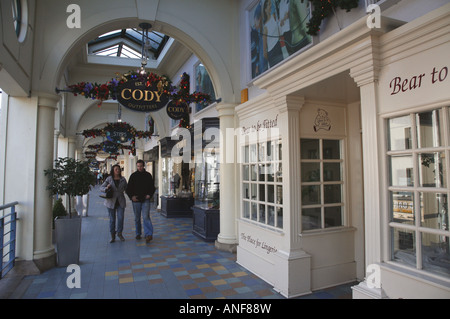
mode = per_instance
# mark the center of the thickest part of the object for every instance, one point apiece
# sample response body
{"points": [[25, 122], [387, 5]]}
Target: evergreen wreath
{"points": [[323, 8]]}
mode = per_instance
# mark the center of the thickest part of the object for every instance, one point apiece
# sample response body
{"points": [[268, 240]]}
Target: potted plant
{"points": [[72, 178]]}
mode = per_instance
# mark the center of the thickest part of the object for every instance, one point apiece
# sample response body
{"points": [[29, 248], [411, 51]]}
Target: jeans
{"points": [[142, 208], [113, 212]]}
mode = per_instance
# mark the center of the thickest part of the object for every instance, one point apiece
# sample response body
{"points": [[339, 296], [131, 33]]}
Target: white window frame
{"points": [[321, 183], [417, 229], [277, 203]]}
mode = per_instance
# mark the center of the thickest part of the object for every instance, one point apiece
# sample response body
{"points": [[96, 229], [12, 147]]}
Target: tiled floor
{"points": [[174, 265]]}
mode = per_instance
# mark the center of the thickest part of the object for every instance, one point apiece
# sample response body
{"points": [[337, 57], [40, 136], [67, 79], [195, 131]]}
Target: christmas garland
{"points": [[109, 90], [111, 126], [323, 8]]}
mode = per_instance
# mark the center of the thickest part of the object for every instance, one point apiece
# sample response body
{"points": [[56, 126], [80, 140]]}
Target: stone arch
{"points": [[115, 18]]}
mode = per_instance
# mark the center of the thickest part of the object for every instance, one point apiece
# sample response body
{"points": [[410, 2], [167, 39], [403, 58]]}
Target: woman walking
{"points": [[116, 204]]}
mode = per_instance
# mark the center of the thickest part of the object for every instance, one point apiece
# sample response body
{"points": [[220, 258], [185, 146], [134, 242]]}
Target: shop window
{"points": [[203, 84], [322, 183], [417, 157], [262, 183]]}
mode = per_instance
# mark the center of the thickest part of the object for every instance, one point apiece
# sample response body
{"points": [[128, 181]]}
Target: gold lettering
{"points": [[158, 96], [123, 94], [146, 95], [134, 95]]}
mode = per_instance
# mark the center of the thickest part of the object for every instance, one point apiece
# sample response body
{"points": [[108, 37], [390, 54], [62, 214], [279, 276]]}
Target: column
{"points": [[43, 251], [293, 263], [367, 79], [227, 238]]}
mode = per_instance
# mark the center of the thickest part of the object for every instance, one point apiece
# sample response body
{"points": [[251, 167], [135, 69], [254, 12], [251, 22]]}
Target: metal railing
{"points": [[8, 238]]}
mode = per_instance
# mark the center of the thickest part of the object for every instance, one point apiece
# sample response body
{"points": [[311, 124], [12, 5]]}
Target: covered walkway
{"points": [[174, 265]]}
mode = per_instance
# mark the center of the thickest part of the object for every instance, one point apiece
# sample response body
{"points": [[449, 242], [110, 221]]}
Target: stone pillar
{"points": [[43, 251], [227, 238]]}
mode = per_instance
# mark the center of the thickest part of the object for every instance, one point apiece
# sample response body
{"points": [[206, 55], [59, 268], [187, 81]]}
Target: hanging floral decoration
{"points": [[118, 146], [110, 90], [119, 125], [323, 8]]}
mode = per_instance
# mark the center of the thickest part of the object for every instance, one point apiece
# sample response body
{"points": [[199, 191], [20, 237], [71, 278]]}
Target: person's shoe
{"points": [[138, 237], [113, 237], [120, 237], [148, 238]]}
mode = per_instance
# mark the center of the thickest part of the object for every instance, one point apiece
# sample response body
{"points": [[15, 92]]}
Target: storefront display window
{"points": [[418, 151], [262, 188], [207, 178], [321, 183]]}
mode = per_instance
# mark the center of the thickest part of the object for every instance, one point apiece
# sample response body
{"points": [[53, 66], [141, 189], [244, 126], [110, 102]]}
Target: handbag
{"points": [[108, 194]]}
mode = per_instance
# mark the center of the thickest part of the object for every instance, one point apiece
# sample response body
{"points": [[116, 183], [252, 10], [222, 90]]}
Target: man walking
{"points": [[140, 190]]}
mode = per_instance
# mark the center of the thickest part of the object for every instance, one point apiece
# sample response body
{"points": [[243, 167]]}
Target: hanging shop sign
{"points": [[137, 96], [177, 109], [118, 134], [110, 147]]}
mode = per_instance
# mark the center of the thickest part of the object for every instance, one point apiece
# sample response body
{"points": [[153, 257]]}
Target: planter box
{"points": [[206, 223], [67, 239], [176, 207]]}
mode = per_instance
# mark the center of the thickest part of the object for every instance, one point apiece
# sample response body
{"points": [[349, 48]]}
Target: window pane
{"points": [[311, 195], [401, 171], [254, 211], [429, 129], [331, 172], [432, 170], [262, 192], [331, 149], [253, 186], [404, 246], [270, 215], [435, 254], [402, 208], [262, 172], [332, 194], [309, 148], [279, 217], [245, 150], [279, 194], [246, 193], [333, 216], [434, 210], [279, 151], [400, 133], [245, 173], [262, 213], [310, 172], [269, 149], [278, 172], [253, 172], [269, 172], [311, 218], [253, 153], [270, 194], [246, 208], [262, 152]]}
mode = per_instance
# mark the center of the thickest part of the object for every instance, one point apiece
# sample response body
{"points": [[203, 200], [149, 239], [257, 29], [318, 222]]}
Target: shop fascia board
{"points": [[416, 36], [326, 51]]}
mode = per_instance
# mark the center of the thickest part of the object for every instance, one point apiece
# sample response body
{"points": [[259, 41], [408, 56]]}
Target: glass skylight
{"points": [[127, 43]]}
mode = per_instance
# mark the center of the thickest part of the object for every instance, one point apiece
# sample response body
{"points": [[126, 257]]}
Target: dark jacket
{"points": [[140, 184], [118, 192]]}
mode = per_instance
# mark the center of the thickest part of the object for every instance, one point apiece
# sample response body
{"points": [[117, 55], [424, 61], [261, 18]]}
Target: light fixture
{"points": [[145, 44], [119, 113]]}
